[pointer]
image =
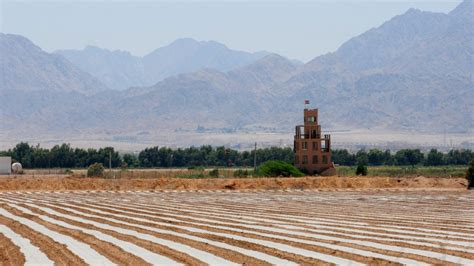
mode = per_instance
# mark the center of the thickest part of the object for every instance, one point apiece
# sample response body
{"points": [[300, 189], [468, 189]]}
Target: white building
{"points": [[5, 165]]}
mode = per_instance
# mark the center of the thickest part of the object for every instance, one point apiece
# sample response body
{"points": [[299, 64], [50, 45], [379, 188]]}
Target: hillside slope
{"points": [[406, 74], [120, 70], [413, 73], [25, 67]]}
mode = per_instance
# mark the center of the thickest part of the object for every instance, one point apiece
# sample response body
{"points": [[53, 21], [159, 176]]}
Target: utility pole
{"points": [[255, 158], [110, 162]]}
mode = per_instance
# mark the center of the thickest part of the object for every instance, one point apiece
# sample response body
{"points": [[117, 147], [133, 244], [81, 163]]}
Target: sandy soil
{"points": [[62, 183], [10, 254]]}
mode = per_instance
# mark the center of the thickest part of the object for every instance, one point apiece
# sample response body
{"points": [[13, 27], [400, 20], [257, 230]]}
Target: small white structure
{"points": [[17, 168], [5, 165]]}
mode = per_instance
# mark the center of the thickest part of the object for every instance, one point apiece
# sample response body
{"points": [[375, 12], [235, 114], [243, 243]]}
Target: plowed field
{"points": [[285, 227]]}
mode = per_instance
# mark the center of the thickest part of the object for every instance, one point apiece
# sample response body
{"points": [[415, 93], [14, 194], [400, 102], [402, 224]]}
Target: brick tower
{"points": [[312, 150]]}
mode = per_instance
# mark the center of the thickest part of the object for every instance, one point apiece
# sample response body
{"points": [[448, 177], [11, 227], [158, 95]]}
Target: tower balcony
{"points": [[305, 132]]}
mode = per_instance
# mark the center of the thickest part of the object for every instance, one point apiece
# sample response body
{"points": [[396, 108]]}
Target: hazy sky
{"points": [[301, 30]]}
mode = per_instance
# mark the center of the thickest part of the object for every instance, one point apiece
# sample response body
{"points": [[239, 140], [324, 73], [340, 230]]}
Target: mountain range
{"points": [[412, 73], [25, 67], [121, 70]]}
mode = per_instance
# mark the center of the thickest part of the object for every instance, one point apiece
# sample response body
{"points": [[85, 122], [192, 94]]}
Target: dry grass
{"points": [[40, 183]]}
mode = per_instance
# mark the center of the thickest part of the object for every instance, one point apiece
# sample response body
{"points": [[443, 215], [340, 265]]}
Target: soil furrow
{"points": [[421, 248], [112, 252], [58, 253], [281, 253], [236, 229], [10, 254]]}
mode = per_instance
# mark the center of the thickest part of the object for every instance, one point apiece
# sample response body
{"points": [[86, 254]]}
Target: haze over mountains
{"points": [[120, 70], [25, 67], [414, 72]]}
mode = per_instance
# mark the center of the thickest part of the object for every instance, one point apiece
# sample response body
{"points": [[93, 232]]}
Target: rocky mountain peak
{"points": [[464, 10]]}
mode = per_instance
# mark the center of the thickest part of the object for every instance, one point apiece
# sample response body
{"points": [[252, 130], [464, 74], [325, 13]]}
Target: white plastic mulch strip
{"points": [[33, 255], [357, 236], [243, 210], [313, 220], [146, 255], [283, 247], [373, 235], [425, 253], [465, 246], [259, 255], [206, 257], [85, 252], [411, 220], [256, 254], [264, 242]]}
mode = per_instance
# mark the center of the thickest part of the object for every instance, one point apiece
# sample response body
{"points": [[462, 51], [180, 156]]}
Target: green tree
{"points": [[109, 155], [408, 157], [470, 175], [131, 160], [376, 157], [388, 158], [149, 157], [82, 158], [459, 157], [62, 156], [23, 153], [343, 157], [41, 158], [362, 158], [434, 157]]}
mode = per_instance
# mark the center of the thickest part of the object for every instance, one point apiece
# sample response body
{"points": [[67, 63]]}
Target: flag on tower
{"points": [[306, 101]]}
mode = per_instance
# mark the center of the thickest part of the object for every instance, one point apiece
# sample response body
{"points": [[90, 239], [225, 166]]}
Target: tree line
{"points": [[64, 156], [412, 157]]}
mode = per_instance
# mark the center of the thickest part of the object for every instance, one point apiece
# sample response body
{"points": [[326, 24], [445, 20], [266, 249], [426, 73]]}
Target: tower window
{"points": [[305, 159], [315, 145], [325, 159], [305, 145], [315, 159]]}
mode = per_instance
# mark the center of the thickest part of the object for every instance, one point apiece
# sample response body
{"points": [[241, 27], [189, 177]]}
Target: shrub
{"points": [[470, 175], [214, 172], [278, 168], [361, 170], [96, 170], [68, 172]]}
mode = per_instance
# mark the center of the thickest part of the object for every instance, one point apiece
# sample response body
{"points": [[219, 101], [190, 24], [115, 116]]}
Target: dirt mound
{"points": [[39, 183]]}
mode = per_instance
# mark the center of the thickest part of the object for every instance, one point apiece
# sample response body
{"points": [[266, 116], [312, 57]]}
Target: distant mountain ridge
{"points": [[412, 73], [121, 70], [25, 67], [117, 69]]}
